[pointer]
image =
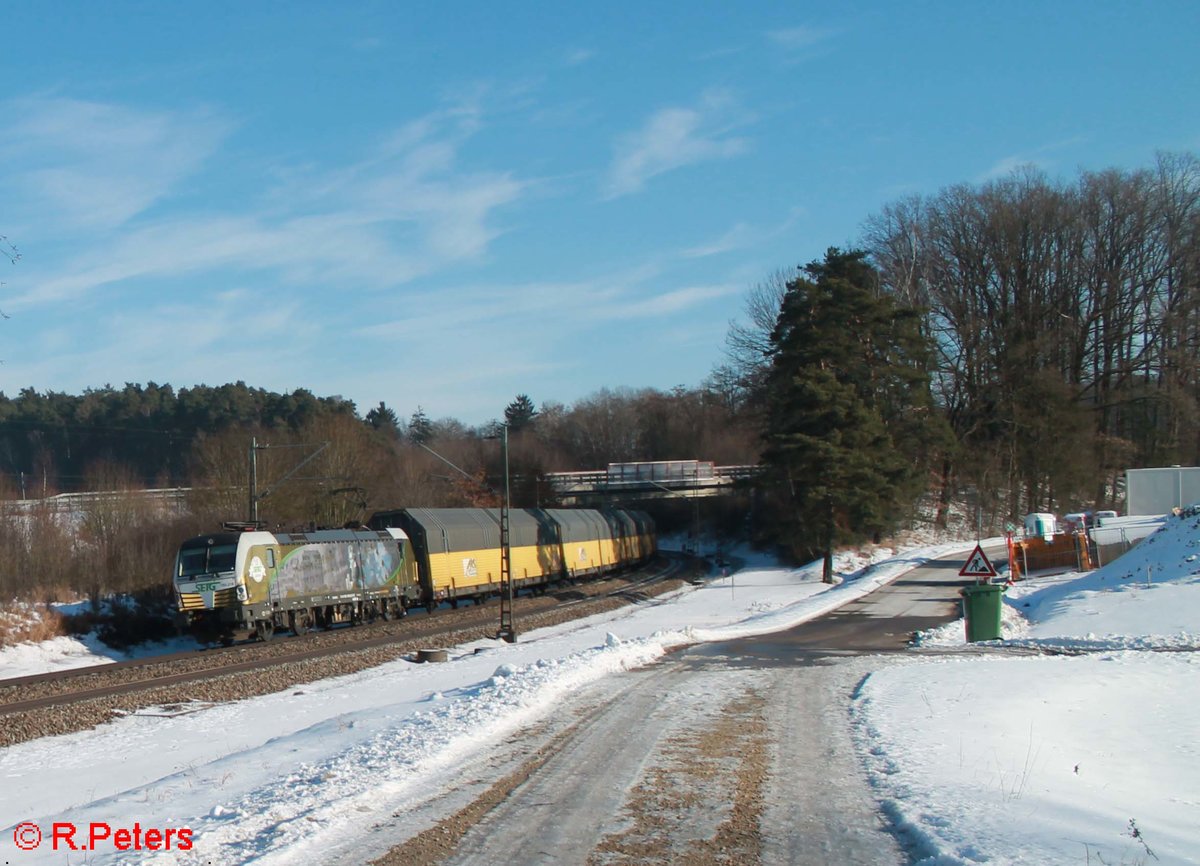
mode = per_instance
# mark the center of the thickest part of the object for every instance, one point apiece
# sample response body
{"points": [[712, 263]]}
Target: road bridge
{"points": [[658, 479]]}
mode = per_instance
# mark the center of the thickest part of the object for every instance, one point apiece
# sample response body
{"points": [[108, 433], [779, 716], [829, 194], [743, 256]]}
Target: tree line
{"points": [[318, 464], [1065, 318], [49, 440]]}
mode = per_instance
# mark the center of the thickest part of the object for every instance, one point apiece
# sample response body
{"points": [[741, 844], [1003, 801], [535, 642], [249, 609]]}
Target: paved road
{"points": [[881, 622], [741, 752]]}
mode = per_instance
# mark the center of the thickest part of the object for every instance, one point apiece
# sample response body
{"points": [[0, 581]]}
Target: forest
{"points": [[1006, 346]]}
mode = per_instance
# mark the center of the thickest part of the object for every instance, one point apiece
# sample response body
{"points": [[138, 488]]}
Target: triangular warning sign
{"points": [[978, 565]]}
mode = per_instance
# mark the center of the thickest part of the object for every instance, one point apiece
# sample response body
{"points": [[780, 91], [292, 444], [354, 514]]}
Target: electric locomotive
{"points": [[244, 577]]}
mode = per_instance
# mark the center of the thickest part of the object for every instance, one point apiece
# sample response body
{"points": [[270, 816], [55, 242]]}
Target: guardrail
{"points": [[66, 502]]}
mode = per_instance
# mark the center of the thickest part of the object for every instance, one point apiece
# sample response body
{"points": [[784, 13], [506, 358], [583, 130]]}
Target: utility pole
{"points": [[508, 631], [255, 496], [253, 510]]}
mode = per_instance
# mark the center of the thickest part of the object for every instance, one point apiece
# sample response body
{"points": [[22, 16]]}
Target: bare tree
{"points": [[1065, 321], [748, 340]]}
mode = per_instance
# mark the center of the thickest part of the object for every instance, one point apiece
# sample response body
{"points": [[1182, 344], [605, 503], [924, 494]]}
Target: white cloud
{"points": [[742, 236], [798, 38], [672, 138], [1009, 164], [566, 308], [468, 343], [182, 343], [1040, 158], [673, 302], [579, 56], [98, 165], [403, 211]]}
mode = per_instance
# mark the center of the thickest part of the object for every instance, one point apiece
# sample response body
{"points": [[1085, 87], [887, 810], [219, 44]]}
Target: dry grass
{"points": [[30, 623]]}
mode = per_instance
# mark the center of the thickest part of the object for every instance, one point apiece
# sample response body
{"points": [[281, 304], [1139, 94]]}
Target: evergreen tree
{"points": [[383, 418], [420, 428], [519, 413], [849, 416]]}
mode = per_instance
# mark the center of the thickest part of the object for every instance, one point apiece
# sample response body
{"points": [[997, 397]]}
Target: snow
{"points": [[1054, 758], [1010, 755], [63, 653], [68, 651]]}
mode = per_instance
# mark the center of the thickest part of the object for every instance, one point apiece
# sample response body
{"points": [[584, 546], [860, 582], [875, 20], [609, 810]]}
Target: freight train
{"points": [[247, 577]]}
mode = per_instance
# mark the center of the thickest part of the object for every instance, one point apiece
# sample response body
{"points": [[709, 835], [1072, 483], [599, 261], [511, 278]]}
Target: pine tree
{"points": [[383, 418], [519, 413], [420, 428], [848, 407]]}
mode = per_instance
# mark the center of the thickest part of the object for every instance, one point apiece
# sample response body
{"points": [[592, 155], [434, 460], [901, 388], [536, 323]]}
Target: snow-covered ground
{"points": [[61, 653], [68, 651], [980, 759], [1091, 756]]}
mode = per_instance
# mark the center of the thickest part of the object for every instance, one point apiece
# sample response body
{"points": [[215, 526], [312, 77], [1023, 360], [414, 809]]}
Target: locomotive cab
{"points": [[206, 576]]}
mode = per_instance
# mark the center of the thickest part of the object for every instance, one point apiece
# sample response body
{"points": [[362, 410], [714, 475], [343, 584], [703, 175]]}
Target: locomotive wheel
{"points": [[264, 629], [300, 621]]}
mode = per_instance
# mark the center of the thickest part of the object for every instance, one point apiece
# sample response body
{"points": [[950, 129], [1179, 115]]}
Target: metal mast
{"points": [[507, 631]]}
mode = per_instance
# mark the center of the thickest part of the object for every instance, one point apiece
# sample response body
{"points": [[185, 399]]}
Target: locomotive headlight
{"points": [[241, 592]]}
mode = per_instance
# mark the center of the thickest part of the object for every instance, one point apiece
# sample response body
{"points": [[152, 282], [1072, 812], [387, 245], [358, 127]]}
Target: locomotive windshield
{"points": [[209, 559]]}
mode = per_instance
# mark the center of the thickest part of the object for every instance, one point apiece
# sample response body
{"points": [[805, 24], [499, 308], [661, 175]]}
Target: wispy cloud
{"points": [[367, 44], [673, 138], [181, 343], [98, 165], [1007, 165], [579, 56], [459, 343], [673, 302], [404, 210], [559, 307], [795, 39], [741, 236], [720, 53], [1040, 158]]}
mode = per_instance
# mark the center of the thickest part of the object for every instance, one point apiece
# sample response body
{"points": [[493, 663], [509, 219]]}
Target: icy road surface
{"points": [[739, 751]]}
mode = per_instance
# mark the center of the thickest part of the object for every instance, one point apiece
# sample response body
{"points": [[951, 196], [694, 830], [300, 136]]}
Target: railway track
{"points": [[128, 686]]}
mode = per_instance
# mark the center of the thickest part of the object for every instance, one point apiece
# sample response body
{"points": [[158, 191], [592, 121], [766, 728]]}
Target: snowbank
{"points": [[1084, 758]]}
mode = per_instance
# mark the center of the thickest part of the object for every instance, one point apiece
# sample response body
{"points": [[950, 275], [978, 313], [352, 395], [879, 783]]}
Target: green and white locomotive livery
{"points": [[266, 581]]}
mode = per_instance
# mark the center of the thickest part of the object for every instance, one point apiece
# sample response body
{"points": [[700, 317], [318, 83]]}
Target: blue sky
{"points": [[448, 204]]}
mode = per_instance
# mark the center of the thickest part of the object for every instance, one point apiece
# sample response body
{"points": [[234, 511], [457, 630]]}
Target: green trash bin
{"points": [[981, 607]]}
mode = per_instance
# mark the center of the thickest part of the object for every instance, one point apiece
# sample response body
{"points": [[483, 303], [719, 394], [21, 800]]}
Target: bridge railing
{"points": [[670, 474]]}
